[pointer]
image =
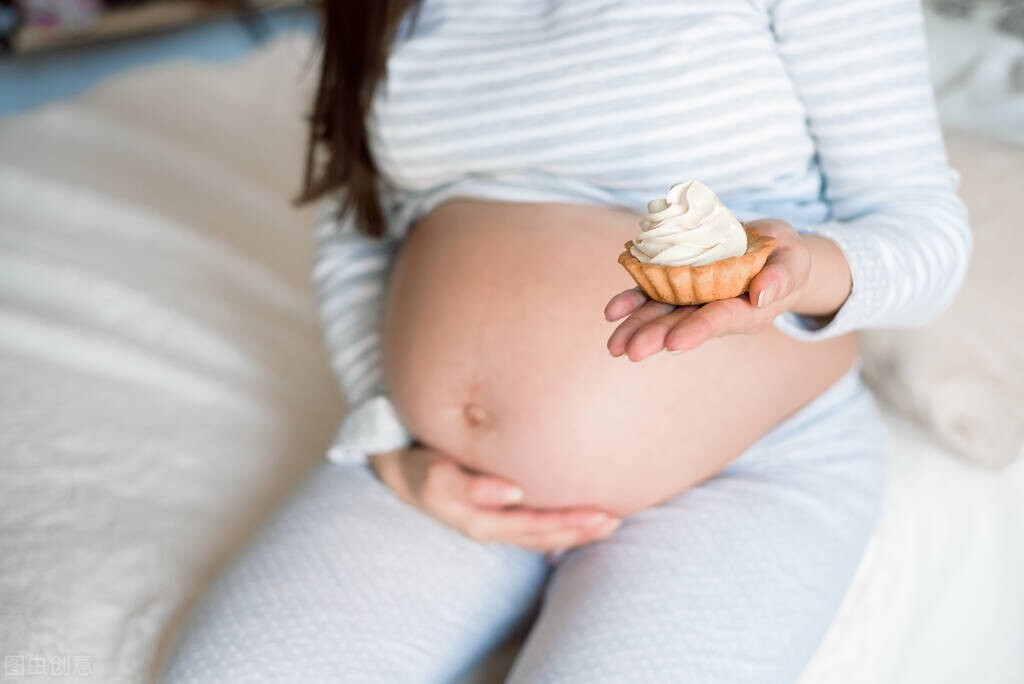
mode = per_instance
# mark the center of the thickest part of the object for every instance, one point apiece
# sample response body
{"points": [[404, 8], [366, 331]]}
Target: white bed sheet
{"points": [[163, 385]]}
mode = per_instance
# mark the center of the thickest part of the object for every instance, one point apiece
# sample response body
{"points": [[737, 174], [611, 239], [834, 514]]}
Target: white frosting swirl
{"points": [[690, 227]]}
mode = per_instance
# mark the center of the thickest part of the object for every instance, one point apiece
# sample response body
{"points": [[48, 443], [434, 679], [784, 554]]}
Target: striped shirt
{"points": [[819, 112]]}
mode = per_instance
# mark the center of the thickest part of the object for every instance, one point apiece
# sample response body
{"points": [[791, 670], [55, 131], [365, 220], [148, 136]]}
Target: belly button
{"points": [[475, 414]]}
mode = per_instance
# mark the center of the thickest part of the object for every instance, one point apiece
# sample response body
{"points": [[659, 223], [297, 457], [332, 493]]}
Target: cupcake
{"points": [[692, 250]]}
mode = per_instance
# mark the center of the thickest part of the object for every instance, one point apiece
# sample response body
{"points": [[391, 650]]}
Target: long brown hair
{"points": [[356, 37]]}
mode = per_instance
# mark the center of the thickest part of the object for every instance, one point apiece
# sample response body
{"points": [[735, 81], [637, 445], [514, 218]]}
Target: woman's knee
{"points": [[735, 580], [347, 582]]}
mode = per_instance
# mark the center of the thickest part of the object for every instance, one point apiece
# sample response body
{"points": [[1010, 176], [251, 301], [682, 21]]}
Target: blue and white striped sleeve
{"points": [[860, 70], [350, 275]]}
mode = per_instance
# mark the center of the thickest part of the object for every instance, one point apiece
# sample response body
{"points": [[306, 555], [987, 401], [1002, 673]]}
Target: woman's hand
{"points": [[780, 286], [484, 507]]}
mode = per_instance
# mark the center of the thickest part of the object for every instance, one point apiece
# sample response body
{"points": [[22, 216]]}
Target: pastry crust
{"points": [[685, 285]]}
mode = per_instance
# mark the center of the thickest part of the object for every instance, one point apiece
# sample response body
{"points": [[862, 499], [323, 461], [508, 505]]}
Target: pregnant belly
{"points": [[495, 353]]}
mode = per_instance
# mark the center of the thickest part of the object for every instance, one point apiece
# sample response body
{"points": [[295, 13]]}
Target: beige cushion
{"points": [[962, 376]]}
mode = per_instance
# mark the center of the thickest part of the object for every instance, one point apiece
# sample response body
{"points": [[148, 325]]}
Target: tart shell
{"points": [[686, 285]]}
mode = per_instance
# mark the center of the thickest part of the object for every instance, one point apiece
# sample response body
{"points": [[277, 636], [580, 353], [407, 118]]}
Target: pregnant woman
{"points": [[520, 450]]}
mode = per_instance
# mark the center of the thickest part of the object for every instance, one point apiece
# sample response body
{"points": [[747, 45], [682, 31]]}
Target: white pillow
{"points": [[978, 75], [962, 375]]}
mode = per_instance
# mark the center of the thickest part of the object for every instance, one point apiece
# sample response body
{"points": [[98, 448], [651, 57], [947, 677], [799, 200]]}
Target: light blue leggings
{"points": [[733, 581]]}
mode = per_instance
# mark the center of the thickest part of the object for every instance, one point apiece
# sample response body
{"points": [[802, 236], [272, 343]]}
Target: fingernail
{"points": [[598, 520], [767, 296], [612, 525], [512, 495], [675, 352]]}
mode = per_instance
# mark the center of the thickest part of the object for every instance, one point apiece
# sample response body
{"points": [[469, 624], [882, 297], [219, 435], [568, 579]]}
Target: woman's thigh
{"points": [[736, 580], [349, 583]]}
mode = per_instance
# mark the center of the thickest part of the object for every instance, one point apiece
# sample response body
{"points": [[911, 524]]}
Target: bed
{"points": [[163, 386]]}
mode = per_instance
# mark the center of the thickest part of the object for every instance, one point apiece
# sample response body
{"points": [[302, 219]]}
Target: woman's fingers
{"points": [[565, 539], [656, 326], [775, 281], [651, 338], [724, 317], [478, 506], [787, 265], [487, 491], [624, 303], [450, 482], [623, 334], [510, 525]]}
